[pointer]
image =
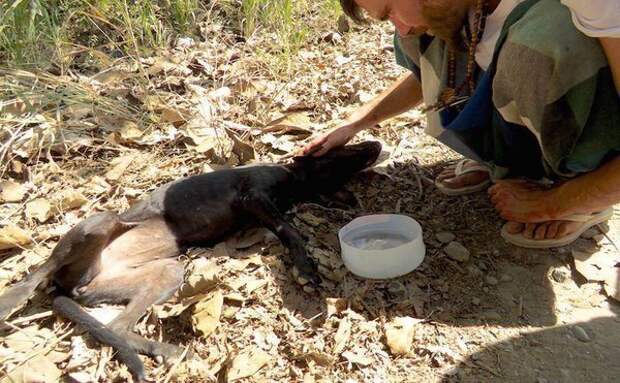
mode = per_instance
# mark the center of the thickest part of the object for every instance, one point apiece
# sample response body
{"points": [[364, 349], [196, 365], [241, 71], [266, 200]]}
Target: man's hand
{"points": [[337, 137]]}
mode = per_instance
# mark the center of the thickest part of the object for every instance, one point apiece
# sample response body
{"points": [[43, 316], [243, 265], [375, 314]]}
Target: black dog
{"points": [[131, 258]]}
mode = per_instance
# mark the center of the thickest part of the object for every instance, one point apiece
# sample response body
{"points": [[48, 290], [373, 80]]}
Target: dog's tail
{"points": [[68, 308]]}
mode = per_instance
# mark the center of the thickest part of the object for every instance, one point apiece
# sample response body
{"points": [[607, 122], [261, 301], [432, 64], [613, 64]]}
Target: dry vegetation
{"points": [[103, 101]]}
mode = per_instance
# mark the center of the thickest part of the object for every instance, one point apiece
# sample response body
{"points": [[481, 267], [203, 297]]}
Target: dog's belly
{"points": [[150, 240]]}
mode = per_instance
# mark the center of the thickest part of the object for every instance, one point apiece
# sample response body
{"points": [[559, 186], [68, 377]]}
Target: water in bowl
{"points": [[375, 240]]}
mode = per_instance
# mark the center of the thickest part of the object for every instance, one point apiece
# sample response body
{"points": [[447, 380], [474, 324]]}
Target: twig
{"points": [[33, 317]]}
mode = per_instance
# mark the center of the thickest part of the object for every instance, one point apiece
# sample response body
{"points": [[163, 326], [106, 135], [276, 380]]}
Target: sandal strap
{"points": [[460, 169]]}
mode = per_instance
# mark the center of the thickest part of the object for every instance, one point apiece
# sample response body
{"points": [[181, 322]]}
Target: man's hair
{"points": [[351, 9]]}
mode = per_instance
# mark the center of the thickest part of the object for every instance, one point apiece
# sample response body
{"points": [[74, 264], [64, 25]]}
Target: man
{"points": [[515, 87]]}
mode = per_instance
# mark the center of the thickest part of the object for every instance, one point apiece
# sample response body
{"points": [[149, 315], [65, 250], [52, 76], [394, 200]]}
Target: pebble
{"points": [[492, 315], [505, 278], [491, 280], [560, 274], [590, 233], [445, 237], [581, 334], [309, 289], [457, 252], [473, 270], [476, 301]]}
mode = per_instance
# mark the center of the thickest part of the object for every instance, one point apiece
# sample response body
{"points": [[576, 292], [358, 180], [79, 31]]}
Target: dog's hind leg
{"points": [[139, 285], [78, 251]]}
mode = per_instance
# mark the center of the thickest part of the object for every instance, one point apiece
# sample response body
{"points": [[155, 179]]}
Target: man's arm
{"points": [[404, 94], [611, 46]]}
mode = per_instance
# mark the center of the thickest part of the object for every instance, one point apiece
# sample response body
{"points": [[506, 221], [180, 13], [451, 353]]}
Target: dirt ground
{"points": [[501, 314]]}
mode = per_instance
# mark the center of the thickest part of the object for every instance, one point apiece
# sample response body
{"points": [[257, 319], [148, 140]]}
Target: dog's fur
{"points": [[131, 258]]}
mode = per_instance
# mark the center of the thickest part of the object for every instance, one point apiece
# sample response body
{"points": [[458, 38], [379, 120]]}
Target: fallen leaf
{"points": [[254, 284], [39, 209], [71, 199], [172, 116], [206, 314], [35, 370], [247, 364], [130, 132], [13, 236], [119, 165], [202, 279], [243, 150], [335, 306], [342, 335], [357, 359], [292, 123], [12, 191], [248, 238], [399, 334]]}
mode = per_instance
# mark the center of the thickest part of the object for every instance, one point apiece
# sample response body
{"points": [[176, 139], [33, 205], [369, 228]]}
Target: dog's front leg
{"points": [[264, 210]]}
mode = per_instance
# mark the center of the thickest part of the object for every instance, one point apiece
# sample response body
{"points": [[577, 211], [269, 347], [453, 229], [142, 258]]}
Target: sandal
{"points": [[587, 221], [460, 170]]}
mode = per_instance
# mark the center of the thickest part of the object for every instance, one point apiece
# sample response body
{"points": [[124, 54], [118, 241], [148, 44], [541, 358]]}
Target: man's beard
{"points": [[446, 19]]}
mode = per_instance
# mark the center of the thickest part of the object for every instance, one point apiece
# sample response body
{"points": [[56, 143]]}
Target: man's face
{"points": [[442, 18]]}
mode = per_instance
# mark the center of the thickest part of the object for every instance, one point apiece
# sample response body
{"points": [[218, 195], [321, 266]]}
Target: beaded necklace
{"points": [[449, 97]]}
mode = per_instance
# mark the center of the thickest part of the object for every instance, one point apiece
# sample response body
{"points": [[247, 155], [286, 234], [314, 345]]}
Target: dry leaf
{"points": [[594, 264], [335, 306], [357, 359], [12, 191], [39, 209], [254, 284], [247, 364], [13, 236], [202, 279], [342, 336], [399, 334], [130, 132], [293, 124], [119, 165], [71, 199], [612, 283], [206, 314], [248, 238], [243, 150], [172, 116], [36, 370]]}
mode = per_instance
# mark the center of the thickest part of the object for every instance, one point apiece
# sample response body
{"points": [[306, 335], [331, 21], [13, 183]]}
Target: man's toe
{"points": [[514, 227], [528, 232], [552, 229], [541, 231]]}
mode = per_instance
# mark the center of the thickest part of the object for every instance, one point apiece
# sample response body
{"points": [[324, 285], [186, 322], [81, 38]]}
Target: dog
{"points": [[132, 258]]}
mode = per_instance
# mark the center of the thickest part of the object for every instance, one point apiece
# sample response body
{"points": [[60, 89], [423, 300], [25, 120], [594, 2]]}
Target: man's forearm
{"points": [[591, 192], [611, 46], [404, 94]]}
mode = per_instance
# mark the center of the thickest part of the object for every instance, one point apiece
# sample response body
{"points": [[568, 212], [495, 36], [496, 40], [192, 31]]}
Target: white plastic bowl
{"points": [[386, 263]]}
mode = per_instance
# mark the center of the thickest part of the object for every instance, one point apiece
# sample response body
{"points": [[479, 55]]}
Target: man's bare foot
{"points": [[463, 177], [543, 230]]}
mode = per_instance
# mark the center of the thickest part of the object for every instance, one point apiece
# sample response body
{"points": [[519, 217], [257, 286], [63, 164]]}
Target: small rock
{"points": [[581, 334], [309, 289], [588, 234], [473, 270], [505, 278], [492, 315], [445, 237], [560, 274], [457, 252], [185, 43], [491, 280], [476, 301], [542, 380], [485, 289]]}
